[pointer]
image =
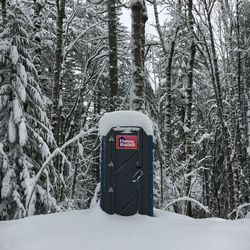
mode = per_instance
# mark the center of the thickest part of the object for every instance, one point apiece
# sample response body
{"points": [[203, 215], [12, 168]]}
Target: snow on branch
{"points": [[238, 210], [94, 200], [3, 158], [205, 136], [52, 155], [186, 198], [194, 171], [71, 45]]}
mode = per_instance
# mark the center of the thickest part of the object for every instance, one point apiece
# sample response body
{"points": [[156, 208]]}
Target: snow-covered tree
{"points": [[25, 134]]}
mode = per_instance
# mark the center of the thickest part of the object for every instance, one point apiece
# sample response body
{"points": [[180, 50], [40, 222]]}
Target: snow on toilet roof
{"points": [[125, 119]]}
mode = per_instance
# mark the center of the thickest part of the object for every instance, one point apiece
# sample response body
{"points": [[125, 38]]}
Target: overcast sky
{"points": [[126, 20]]}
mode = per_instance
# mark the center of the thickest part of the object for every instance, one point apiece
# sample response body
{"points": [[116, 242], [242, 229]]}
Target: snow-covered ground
{"points": [[94, 230]]}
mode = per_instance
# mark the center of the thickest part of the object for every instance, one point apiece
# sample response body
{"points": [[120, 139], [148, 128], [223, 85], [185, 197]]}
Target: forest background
{"points": [[63, 64]]}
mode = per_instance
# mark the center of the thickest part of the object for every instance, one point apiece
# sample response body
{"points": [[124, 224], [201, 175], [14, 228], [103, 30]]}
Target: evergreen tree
{"points": [[25, 129]]}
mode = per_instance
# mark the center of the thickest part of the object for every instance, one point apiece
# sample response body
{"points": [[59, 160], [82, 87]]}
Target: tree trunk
{"points": [[225, 132], [4, 12], [37, 38], [75, 179], [96, 154], [169, 56], [233, 73], [241, 113], [189, 103], [138, 15], [113, 72], [56, 91]]}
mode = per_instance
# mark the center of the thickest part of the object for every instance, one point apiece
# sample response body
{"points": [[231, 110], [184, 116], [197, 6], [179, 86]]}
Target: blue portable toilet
{"points": [[126, 163]]}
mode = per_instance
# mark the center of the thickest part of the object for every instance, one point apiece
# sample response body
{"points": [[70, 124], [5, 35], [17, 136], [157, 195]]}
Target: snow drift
{"points": [[94, 230]]}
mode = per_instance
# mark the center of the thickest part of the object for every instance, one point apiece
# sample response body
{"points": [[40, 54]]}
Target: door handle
{"points": [[136, 177]]}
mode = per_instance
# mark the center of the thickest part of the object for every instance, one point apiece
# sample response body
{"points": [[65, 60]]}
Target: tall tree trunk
{"points": [[233, 74], [4, 11], [246, 69], [189, 103], [113, 72], [74, 179], [241, 113], [56, 91], [225, 132], [38, 6], [96, 154], [138, 15], [169, 56], [143, 37]]}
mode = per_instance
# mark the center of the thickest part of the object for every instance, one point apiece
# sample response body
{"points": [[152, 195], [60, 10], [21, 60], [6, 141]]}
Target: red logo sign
{"points": [[126, 141]]}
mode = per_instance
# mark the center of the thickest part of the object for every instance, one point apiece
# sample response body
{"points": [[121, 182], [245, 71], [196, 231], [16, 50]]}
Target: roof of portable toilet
{"points": [[125, 119]]}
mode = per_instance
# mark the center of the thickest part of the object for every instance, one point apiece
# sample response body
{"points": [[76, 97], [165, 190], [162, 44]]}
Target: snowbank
{"points": [[94, 230], [125, 118]]}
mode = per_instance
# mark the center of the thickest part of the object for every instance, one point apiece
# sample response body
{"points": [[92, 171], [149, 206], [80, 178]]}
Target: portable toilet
{"points": [[126, 163]]}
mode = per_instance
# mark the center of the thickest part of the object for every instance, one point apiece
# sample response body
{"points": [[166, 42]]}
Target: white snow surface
{"points": [[23, 134], [14, 54], [93, 229], [125, 118], [12, 129]]}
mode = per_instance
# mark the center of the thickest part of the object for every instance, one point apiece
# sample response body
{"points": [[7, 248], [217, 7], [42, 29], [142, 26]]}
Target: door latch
{"points": [[136, 177]]}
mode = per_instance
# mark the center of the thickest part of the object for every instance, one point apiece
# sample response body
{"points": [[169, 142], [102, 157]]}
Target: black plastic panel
{"points": [[127, 173]]}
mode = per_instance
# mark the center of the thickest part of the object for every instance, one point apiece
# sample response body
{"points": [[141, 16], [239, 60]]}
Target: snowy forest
{"points": [[64, 63]]}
